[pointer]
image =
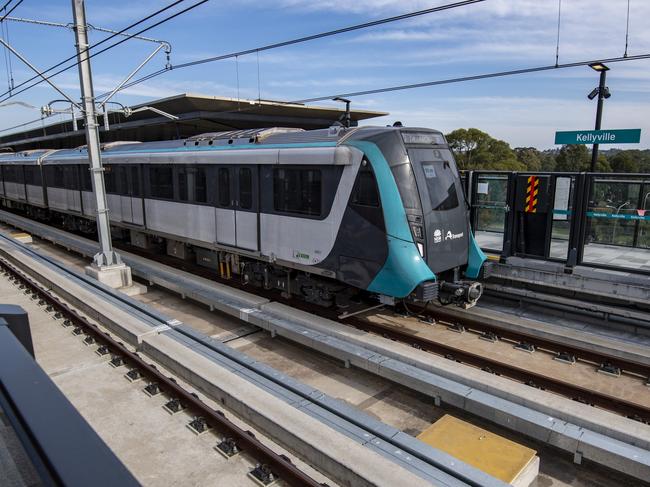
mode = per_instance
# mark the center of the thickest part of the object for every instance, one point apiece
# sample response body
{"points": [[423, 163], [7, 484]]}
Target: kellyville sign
{"points": [[616, 136]]}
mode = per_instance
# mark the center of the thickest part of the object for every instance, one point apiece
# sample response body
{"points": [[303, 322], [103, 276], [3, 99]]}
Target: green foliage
{"points": [[573, 158], [477, 150], [625, 161]]}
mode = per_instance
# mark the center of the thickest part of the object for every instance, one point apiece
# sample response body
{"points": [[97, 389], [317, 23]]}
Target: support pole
{"points": [[599, 117], [107, 266]]}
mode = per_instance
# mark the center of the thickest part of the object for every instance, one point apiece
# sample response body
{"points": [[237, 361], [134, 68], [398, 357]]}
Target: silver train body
{"points": [[315, 213]]}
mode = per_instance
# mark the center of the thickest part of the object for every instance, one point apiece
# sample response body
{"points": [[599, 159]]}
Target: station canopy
{"points": [[196, 114]]}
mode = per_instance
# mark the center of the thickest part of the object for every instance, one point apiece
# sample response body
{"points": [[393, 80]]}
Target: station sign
{"points": [[617, 136]]}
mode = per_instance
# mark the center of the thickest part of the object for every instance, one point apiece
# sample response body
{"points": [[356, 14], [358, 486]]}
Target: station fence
{"points": [[595, 219]]}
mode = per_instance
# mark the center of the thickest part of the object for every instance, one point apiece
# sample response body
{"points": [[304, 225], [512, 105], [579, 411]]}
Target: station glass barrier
{"points": [[490, 208], [595, 219], [618, 222]]}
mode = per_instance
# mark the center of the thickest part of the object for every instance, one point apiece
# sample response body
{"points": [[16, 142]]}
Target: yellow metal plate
{"points": [[493, 454]]}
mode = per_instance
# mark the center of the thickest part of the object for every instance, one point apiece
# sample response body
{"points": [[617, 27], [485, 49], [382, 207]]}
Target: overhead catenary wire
{"points": [[557, 44], [627, 28], [299, 40], [497, 74], [116, 34], [248, 51], [11, 10], [121, 41]]}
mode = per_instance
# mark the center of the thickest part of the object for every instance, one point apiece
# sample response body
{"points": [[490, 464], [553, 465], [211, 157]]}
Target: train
{"points": [[325, 214]]}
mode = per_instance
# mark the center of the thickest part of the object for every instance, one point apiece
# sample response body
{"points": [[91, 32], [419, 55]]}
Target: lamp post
{"points": [[602, 92]]}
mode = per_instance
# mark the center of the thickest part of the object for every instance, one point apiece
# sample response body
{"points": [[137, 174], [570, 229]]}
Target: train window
{"points": [[365, 191], [32, 175], [135, 181], [441, 184], [71, 177], [122, 180], [406, 185], [181, 179], [297, 191], [200, 186], [223, 183], [59, 177], [245, 188], [109, 179], [162, 182], [86, 183]]}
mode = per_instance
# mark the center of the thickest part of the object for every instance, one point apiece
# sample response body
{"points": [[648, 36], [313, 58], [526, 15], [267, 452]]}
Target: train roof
{"points": [[321, 142], [27, 157]]}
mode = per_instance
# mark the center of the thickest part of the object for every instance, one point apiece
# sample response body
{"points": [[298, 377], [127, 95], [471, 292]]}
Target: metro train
{"points": [[320, 214]]}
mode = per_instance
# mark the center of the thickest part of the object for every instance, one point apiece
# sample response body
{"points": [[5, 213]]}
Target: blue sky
{"points": [[495, 35]]}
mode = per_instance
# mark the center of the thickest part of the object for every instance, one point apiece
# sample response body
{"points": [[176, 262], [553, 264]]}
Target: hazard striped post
{"points": [[531, 194]]}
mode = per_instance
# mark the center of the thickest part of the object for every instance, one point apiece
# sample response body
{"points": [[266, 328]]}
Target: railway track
{"points": [[534, 379], [271, 465], [531, 378]]}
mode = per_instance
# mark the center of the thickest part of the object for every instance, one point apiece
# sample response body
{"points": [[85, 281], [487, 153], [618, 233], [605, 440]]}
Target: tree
{"points": [[625, 161], [529, 157], [475, 149], [573, 158]]}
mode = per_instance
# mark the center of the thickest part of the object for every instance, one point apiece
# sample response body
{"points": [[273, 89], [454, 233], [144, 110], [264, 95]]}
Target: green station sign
{"points": [[618, 136]]}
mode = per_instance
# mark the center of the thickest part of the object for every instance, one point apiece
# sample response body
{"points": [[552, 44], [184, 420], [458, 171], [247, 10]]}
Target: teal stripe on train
{"points": [[404, 268], [200, 149], [475, 258]]}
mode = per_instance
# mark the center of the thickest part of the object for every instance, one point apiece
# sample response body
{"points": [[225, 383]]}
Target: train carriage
{"points": [[312, 213], [22, 178]]}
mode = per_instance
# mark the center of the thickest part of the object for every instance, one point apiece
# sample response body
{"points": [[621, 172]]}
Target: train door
{"points": [[137, 202], [246, 204], [73, 190], [124, 190], [225, 206]]}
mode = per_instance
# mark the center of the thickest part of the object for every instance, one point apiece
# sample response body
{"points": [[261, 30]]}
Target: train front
{"points": [[437, 214], [442, 223]]}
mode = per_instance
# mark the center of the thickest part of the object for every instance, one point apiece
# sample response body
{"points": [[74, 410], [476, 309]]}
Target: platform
{"points": [[612, 255]]}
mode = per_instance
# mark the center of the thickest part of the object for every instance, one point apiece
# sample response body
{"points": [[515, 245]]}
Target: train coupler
{"points": [[463, 294]]}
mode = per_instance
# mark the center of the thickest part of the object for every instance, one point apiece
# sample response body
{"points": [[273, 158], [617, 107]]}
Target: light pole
{"points": [[602, 92]]}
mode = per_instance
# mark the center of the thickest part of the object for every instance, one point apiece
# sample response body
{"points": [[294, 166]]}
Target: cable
{"points": [[305, 39], [21, 125], [627, 28], [557, 45], [157, 12], [111, 46], [497, 74], [12, 9], [330, 33]]}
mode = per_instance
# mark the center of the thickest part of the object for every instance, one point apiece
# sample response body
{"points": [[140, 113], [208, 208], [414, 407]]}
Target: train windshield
{"points": [[440, 176]]}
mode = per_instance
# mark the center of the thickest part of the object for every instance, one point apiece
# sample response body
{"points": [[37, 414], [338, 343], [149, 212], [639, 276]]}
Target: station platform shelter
{"points": [[195, 114]]}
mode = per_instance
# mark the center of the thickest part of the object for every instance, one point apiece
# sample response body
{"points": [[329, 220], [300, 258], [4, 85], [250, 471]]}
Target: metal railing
{"points": [[58, 443], [594, 219]]}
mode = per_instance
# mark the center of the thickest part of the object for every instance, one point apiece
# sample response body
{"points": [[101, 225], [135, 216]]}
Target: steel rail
{"points": [[534, 379], [246, 440], [572, 391], [547, 344]]}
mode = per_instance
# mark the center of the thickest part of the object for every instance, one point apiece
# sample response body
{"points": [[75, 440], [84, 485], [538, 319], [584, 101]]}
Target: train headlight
{"points": [[417, 231], [421, 249]]}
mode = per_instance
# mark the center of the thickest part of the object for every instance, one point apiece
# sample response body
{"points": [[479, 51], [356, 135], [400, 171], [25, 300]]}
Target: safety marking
{"points": [[531, 194]]}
